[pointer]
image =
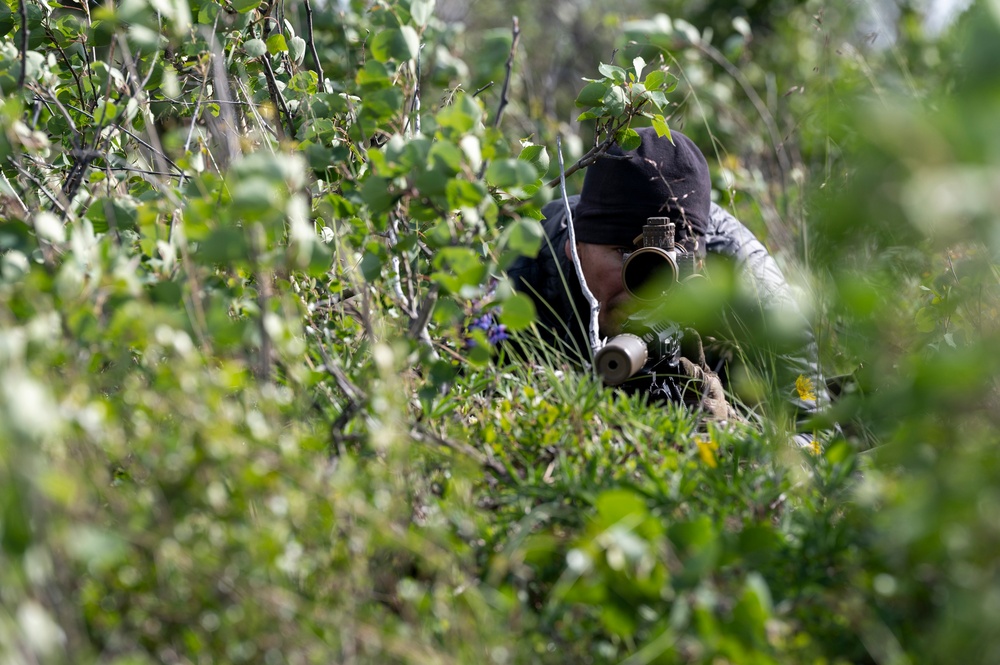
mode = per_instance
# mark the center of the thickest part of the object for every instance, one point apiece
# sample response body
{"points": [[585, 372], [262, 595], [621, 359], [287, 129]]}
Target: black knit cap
{"points": [[663, 177]]}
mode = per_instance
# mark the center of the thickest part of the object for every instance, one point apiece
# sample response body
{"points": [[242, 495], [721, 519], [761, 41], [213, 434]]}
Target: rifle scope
{"points": [[657, 260]]}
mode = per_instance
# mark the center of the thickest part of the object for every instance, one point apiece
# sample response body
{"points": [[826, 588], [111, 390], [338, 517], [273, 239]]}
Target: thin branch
{"points": [[595, 306], [265, 128], [23, 11], [415, 105], [133, 169], [138, 139], [62, 109], [139, 95], [418, 325], [516, 29], [311, 42], [279, 101], [354, 395], [421, 435], [14, 192], [483, 89], [107, 98], [272, 85], [76, 77], [41, 187]]}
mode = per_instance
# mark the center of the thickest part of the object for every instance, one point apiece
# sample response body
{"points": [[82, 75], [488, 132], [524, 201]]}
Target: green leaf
{"points": [[656, 98], [660, 125], [459, 267], [305, 82], [638, 63], [297, 49], [615, 505], [592, 94], [462, 115], [654, 79], [753, 609], [224, 245], [510, 173], [615, 101], [926, 319], [375, 192], [613, 72], [255, 48], [276, 44], [536, 155], [517, 312], [245, 6], [464, 194], [400, 43], [628, 139], [421, 11], [371, 265], [447, 155], [6, 19], [525, 237]]}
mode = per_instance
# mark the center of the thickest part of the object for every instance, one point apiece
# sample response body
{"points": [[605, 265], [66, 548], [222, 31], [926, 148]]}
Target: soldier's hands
{"points": [[703, 389]]}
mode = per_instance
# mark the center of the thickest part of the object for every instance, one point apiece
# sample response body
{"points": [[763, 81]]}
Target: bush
{"points": [[251, 409]]}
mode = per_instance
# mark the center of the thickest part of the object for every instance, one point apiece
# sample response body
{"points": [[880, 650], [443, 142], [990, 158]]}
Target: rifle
{"points": [[648, 340]]}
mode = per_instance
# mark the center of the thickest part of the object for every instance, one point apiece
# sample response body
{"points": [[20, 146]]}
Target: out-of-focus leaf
{"points": [[517, 312], [399, 43]]}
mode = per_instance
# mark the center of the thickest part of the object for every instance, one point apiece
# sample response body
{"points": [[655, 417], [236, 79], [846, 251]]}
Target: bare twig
{"points": [[13, 191], [516, 29], [311, 42], [23, 11], [272, 85], [63, 208], [418, 325], [139, 94], [279, 101], [265, 128], [107, 98], [483, 89], [132, 169], [264, 294], [76, 77], [159, 153], [415, 105], [421, 435], [595, 306]]}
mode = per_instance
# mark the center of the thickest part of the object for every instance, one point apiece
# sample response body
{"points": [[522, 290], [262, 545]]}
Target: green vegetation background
{"points": [[244, 417]]}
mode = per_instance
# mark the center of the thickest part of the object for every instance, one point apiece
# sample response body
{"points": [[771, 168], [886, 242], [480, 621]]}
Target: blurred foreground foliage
{"points": [[250, 409]]}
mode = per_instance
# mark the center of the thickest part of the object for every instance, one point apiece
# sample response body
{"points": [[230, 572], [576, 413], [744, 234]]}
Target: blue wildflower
{"points": [[495, 332]]}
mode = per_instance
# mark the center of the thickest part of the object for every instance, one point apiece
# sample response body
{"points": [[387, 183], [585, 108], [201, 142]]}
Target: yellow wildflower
{"points": [[804, 387], [706, 450], [815, 447]]}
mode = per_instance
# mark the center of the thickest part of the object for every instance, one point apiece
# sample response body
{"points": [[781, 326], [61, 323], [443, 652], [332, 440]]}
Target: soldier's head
{"points": [[663, 177]]}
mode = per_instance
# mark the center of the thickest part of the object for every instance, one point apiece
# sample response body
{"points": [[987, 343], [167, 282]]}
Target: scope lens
{"points": [[647, 275]]}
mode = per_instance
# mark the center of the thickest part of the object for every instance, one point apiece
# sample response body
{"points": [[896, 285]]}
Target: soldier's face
{"points": [[602, 268]]}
